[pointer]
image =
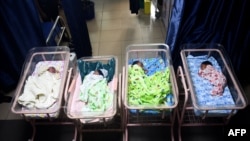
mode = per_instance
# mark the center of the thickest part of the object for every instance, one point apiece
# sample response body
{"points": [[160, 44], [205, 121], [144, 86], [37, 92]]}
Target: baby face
{"points": [[140, 64], [96, 72], [203, 66], [52, 70]]}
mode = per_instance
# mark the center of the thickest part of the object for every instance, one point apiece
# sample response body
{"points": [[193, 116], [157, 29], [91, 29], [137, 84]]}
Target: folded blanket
{"points": [[147, 90]]}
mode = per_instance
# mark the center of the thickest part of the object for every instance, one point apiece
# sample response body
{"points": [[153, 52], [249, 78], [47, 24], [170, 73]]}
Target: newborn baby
{"points": [[94, 91], [147, 90], [216, 78], [140, 64]]}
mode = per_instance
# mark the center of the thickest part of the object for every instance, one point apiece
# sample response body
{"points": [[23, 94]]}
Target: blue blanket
{"points": [[203, 87]]}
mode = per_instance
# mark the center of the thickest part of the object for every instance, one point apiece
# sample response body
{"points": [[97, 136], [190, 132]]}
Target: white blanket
{"points": [[40, 91]]}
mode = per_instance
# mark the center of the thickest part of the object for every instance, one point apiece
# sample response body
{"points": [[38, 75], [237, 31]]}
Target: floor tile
{"points": [[95, 48], [94, 36], [111, 24], [154, 40], [151, 33], [132, 34], [146, 21], [94, 25], [130, 22], [112, 35], [110, 48], [111, 15], [125, 44], [114, 6], [98, 15], [98, 7]]}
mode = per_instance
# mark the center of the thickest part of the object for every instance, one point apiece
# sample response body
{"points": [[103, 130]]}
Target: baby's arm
{"points": [[201, 73]]}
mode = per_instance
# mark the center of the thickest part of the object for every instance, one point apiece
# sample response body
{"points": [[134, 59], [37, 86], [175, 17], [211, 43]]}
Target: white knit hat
{"points": [[104, 72]]}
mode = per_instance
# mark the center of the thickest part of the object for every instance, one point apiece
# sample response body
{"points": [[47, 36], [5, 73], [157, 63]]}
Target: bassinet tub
{"points": [[38, 60], [233, 97], [75, 107], [156, 59]]}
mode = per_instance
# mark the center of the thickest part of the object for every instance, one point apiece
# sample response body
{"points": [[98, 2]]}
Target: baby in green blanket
{"points": [[147, 90], [94, 91]]}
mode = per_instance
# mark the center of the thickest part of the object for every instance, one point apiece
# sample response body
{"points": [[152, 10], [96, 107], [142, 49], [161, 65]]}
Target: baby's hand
{"points": [[199, 72]]}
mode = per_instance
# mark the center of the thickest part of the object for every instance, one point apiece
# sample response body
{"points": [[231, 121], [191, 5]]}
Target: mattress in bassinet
{"points": [[203, 87]]}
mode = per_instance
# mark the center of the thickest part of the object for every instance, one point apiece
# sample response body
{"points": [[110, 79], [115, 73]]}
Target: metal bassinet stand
{"points": [[187, 116], [132, 114]]}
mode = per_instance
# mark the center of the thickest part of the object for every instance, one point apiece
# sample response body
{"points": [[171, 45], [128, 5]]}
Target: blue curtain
{"points": [[212, 21], [20, 30], [74, 13]]}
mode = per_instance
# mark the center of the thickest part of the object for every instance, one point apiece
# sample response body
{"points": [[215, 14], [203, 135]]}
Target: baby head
{"points": [[102, 72], [204, 64], [140, 64], [52, 70]]}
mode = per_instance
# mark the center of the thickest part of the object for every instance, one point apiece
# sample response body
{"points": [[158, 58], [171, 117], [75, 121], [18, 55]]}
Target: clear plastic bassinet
{"points": [[74, 107], [150, 93], [233, 97], [38, 60], [156, 58]]}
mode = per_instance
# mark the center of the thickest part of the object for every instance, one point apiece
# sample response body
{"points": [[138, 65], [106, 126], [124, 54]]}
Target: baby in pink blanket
{"points": [[216, 78]]}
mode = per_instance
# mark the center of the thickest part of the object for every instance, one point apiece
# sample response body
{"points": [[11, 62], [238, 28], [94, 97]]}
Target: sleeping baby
{"points": [[147, 90], [94, 91], [216, 78]]}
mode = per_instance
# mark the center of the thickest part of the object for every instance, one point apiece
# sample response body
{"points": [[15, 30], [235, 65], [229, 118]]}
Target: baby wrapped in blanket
{"points": [[147, 90], [42, 90], [94, 91], [216, 78]]}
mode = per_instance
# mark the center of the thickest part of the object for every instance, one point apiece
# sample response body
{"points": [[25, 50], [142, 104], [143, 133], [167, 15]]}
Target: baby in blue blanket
{"points": [[215, 77]]}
